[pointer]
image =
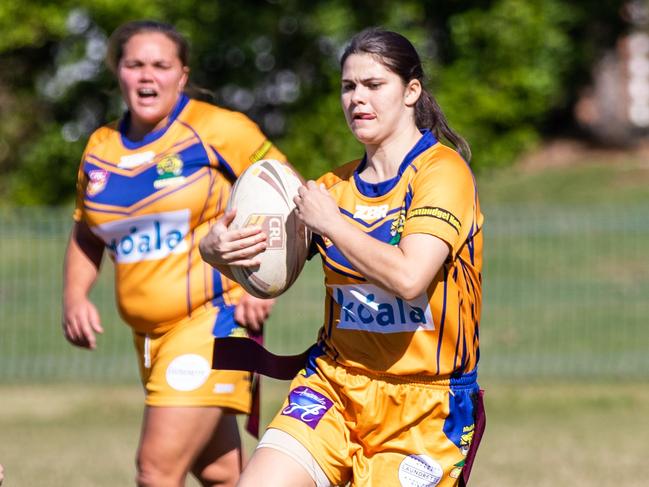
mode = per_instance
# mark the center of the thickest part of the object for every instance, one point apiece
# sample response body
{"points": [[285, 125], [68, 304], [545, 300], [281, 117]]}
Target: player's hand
{"points": [[316, 208], [252, 312], [232, 247], [81, 323]]}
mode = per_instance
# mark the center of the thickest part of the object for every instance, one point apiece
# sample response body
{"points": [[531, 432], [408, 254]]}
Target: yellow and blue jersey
{"points": [[152, 201], [367, 327]]}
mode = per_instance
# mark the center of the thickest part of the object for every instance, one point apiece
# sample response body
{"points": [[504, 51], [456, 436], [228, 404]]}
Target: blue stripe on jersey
{"points": [[442, 320], [350, 215], [126, 190], [224, 323], [331, 315], [152, 136], [380, 233], [409, 196], [225, 168], [373, 190], [343, 273], [217, 289]]}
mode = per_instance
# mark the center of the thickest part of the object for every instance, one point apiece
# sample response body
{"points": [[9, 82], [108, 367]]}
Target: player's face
{"points": [[376, 102], [151, 77]]}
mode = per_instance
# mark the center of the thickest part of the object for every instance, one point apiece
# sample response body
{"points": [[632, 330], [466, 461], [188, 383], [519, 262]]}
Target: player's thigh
{"points": [[273, 468], [173, 437]]}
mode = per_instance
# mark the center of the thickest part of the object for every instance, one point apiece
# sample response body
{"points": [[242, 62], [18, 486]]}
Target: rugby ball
{"points": [[263, 196]]}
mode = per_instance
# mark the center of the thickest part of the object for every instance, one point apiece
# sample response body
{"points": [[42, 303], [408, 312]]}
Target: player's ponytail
{"points": [[398, 54]]}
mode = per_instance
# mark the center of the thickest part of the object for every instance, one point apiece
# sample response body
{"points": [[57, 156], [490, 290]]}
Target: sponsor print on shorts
{"points": [[419, 471], [307, 405], [370, 308], [187, 372], [147, 237]]}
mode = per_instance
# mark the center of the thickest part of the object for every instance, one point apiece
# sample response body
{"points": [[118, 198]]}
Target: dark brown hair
{"points": [[398, 54], [124, 32]]}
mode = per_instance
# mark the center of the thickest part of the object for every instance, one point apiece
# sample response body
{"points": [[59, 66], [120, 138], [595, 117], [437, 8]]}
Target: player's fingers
{"points": [[245, 240], [249, 263], [239, 314], [75, 332], [227, 217], [95, 320], [244, 253]]}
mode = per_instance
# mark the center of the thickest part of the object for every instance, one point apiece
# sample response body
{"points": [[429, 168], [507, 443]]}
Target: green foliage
{"points": [[508, 73], [500, 70], [48, 171]]}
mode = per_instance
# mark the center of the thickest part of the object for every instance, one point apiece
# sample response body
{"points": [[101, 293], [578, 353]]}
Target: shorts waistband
{"points": [[468, 379]]}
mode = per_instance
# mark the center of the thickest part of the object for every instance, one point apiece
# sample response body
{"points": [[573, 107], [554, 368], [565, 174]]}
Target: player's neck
{"points": [[384, 159]]}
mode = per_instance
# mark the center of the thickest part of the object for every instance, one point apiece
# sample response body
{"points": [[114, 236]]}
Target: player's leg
{"points": [[185, 404], [222, 455], [281, 461], [173, 438]]}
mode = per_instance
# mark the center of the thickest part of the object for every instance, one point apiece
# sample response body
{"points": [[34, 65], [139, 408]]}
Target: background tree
{"points": [[506, 72]]}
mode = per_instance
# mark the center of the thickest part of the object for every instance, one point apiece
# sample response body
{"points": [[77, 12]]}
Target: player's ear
{"points": [[412, 92], [183, 79]]}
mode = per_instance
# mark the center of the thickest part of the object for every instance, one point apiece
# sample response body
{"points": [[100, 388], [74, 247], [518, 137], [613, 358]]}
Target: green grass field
{"points": [[544, 435], [564, 341]]}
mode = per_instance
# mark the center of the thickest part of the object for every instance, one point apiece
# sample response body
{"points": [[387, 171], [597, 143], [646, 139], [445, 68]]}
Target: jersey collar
{"points": [[373, 190], [156, 134]]}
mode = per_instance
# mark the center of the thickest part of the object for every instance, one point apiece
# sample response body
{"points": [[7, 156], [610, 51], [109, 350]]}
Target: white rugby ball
{"points": [[263, 196]]}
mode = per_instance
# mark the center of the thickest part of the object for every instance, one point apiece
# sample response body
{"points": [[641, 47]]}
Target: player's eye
{"points": [[347, 87]]}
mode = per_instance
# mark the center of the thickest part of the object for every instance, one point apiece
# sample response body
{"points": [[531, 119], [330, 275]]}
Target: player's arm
{"points": [[80, 270], [222, 248], [405, 270]]}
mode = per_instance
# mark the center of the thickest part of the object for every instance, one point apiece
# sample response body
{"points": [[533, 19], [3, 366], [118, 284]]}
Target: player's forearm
{"points": [[82, 261], [383, 264]]}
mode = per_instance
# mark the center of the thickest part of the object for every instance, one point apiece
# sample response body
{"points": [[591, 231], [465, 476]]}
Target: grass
{"points": [[563, 337], [538, 435]]}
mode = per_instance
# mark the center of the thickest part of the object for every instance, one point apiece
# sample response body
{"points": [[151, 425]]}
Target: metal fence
{"points": [[565, 296]]}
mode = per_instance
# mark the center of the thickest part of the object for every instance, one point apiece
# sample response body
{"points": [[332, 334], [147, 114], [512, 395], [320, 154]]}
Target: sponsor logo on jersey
{"points": [[370, 308], [396, 229], [435, 212], [135, 160], [97, 180], [370, 213], [272, 226], [147, 237], [170, 170], [307, 405], [261, 151], [419, 471], [187, 372]]}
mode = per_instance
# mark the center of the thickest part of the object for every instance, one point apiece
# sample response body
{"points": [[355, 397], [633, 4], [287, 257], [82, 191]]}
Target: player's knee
{"points": [[224, 472], [152, 473]]}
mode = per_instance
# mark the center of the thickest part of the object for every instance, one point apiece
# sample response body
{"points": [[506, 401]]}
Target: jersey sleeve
{"points": [[239, 143], [443, 201], [82, 180]]}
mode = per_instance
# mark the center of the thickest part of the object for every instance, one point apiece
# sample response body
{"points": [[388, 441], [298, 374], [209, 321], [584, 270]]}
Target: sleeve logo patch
{"points": [[261, 152], [435, 212]]}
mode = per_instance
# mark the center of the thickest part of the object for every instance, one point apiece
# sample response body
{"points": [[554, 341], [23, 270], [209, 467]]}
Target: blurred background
{"points": [[553, 97]]}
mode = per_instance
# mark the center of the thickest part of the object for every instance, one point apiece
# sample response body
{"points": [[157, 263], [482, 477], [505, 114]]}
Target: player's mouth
{"points": [[146, 93], [363, 116]]}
